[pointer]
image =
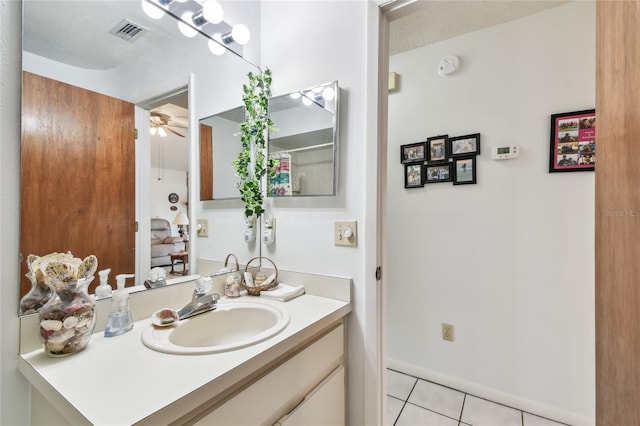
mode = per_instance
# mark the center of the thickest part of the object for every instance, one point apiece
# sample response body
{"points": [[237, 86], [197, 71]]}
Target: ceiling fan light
{"points": [[217, 48], [153, 131], [212, 11], [162, 132], [184, 28], [241, 34], [152, 11]]}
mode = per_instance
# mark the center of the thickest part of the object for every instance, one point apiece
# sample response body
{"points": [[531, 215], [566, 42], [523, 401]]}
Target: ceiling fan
{"points": [[161, 123]]}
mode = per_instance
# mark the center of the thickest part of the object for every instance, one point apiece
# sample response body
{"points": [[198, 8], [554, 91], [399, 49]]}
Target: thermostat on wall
{"points": [[505, 152]]}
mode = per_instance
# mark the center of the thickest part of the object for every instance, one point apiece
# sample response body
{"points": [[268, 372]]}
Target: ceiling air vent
{"points": [[128, 31]]}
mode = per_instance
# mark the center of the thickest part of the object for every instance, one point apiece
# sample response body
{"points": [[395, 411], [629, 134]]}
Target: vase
{"points": [[36, 298], [67, 320]]}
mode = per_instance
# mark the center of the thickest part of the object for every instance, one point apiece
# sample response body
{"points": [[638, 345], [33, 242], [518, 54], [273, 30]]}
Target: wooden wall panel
{"points": [[77, 175], [618, 213], [206, 162]]}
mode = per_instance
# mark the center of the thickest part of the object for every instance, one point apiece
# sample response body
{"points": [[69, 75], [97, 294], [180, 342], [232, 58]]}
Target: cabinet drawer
{"points": [[325, 405], [276, 393]]}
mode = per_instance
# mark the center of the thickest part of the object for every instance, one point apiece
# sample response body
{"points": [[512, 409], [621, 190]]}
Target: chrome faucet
{"points": [[199, 305]]}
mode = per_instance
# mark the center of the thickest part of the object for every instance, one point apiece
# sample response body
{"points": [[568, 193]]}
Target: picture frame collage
{"points": [[440, 159]]}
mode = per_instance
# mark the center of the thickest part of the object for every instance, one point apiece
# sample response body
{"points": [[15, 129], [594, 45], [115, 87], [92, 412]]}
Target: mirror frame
{"points": [[335, 136]]}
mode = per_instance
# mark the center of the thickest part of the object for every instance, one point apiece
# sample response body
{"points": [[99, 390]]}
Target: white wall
{"points": [[304, 44], [509, 261]]}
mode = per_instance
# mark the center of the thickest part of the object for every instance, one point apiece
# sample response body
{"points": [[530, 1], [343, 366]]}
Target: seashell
{"points": [[83, 322], [55, 347], [88, 267], [61, 336], [58, 272], [73, 308], [51, 325], [70, 322]]}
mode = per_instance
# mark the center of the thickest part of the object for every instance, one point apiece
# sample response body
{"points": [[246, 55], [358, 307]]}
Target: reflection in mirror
{"points": [[305, 144], [219, 145], [70, 59]]}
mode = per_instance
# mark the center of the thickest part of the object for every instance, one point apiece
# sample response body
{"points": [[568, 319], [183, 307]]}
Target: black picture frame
{"points": [[572, 141], [414, 175], [464, 170], [413, 152], [438, 149], [436, 173], [463, 146]]}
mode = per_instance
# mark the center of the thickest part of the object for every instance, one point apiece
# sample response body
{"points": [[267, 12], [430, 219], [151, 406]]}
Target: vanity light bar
{"points": [[197, 21]]}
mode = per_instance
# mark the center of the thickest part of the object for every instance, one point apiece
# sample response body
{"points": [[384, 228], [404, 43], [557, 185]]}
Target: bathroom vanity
{"points": [[294, 377]]}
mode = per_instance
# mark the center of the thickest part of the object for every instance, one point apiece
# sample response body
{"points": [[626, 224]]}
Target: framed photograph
{"points": [[413, 175], [465, 145], [438, 149], [573, 141], [437, 173], [413, 152], [464, 170]]}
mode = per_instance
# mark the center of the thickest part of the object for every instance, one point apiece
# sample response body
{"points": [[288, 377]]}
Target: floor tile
{"points": [[394, 406], [399, 385], [413, 415], [480, 412], [533, 420], [437, 398]]}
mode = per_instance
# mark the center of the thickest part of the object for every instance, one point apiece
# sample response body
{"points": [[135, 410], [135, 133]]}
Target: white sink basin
{"points": [[233, 325]]}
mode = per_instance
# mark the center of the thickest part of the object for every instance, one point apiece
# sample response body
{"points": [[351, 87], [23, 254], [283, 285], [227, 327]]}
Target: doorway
{"points": [[465, 254]]}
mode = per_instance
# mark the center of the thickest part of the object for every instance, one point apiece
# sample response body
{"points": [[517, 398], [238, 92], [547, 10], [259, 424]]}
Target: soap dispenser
{"points": [[120, 320], [104, 289]]}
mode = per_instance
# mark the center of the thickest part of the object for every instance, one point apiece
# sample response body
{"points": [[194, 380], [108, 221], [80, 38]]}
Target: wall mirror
{"points": [[218, 180], [72, 43], [306, 143]]}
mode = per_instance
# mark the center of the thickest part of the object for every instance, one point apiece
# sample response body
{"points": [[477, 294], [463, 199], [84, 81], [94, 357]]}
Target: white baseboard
{"points": [[480, 391]]}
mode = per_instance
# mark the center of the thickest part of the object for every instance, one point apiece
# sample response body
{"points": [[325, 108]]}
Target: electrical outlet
{"points": [[447, 332]]}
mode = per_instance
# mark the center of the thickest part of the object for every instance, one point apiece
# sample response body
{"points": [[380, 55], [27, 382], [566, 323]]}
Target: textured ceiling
{"points": [[435, 21]]}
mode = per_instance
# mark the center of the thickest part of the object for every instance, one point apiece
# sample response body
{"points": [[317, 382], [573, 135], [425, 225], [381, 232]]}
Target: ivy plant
{"points": [[252, 163]]}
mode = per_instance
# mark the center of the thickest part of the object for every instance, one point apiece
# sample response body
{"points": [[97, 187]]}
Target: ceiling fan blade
{"points": [[174, 132]]}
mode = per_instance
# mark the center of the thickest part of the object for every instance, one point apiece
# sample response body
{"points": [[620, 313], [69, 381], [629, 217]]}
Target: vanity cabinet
{"points": [[307, 387]]}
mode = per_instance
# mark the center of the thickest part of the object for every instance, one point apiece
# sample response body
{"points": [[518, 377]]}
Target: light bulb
{"points": [[162, 132], [152, 11], [306, 99], [328, 93], [215, 48], [240, 34], [295, 95], [153, 130], [185, 29], [213, 12]]}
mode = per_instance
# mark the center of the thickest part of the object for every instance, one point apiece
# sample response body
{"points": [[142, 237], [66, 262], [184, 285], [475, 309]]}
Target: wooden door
{"points": [[618, 213], [77, 188]]}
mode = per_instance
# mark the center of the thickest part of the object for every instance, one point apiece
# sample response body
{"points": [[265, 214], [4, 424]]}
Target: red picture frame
{"points": [[573, 141]]}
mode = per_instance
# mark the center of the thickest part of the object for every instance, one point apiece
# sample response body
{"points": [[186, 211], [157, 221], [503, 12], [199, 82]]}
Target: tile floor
{"points": [[412, 401]]}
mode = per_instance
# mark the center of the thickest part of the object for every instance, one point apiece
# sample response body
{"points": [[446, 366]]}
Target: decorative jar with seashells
{"points": [[68, 319]]}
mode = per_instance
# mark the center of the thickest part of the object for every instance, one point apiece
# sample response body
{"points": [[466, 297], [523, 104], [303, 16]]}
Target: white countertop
{"points": [[119, 381]]}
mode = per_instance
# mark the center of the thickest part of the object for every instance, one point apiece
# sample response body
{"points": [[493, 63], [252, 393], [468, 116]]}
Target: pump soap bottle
{"points": [[120, 320], [104, 289]]}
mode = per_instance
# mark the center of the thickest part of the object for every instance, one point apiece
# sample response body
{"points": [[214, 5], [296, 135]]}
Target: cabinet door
{"points": [[277, 392], [325, 405]]}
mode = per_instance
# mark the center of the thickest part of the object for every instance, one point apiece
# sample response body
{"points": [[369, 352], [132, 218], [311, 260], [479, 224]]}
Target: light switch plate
{"points": [[203, 227], [341, 233]]}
